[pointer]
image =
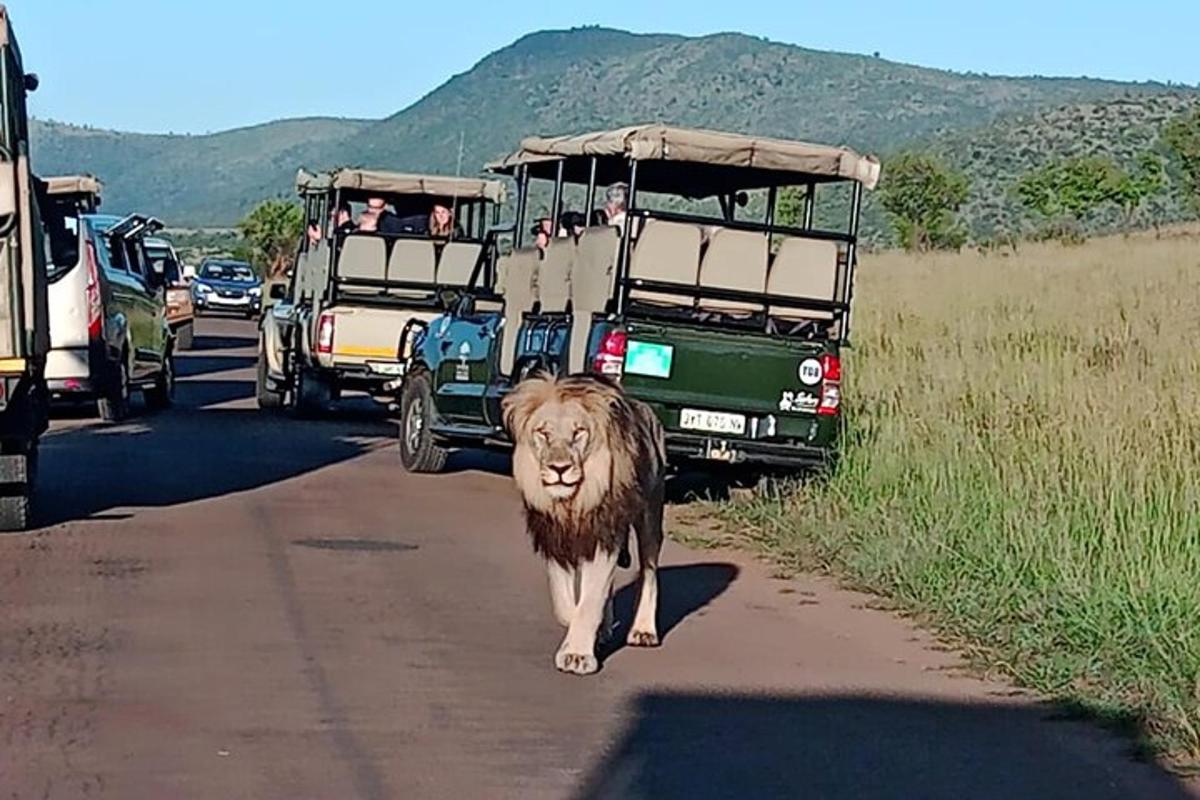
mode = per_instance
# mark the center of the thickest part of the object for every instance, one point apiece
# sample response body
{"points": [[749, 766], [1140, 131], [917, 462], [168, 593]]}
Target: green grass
{"points": [[1022, 470]]}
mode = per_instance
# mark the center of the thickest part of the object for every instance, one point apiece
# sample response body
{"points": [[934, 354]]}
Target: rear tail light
{"points": [[325, 334], [831, 385], [94, 308], [610, 358]]}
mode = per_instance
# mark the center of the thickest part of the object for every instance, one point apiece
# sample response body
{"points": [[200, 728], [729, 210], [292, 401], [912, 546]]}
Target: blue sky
{"points": [[185, 65]]}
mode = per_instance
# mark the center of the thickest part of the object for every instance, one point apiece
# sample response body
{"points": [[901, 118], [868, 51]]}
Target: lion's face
{"points": [[561, 437], [560, 431]]}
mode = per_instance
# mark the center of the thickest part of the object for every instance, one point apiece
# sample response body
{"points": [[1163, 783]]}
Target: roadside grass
{"points": [[1022, 471]]}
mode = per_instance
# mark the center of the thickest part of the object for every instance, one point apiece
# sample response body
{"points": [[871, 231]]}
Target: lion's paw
{"points": [[638, 638], [576, 663]]}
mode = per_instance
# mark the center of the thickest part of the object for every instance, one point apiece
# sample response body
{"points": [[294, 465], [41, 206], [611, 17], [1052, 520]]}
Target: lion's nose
{"points": [[561, 469]]}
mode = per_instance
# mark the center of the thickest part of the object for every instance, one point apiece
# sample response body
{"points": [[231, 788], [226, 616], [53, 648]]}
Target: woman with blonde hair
{"points": [[441, 222]]}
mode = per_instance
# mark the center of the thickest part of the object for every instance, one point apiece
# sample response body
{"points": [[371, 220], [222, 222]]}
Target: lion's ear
{"points": [[518, 405]]}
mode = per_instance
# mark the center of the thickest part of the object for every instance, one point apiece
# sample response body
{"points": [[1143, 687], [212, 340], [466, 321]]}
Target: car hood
{"points": [[224, 284]]}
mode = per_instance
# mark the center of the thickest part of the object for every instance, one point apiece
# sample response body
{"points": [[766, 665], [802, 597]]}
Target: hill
{"points": [[556, 81]]}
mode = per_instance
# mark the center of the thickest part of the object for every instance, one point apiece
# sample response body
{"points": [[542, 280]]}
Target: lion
{"points": [[590, 463]]}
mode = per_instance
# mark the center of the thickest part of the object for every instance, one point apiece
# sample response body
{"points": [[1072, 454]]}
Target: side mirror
{"points": [[448, 298], [278, 291], [32, 82]]}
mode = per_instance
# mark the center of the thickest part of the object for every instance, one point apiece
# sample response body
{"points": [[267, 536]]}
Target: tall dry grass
{"points": [[1022, 468]]}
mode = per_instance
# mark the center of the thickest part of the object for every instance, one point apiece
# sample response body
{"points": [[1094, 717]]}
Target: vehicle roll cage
{"points": [[840, 306]]}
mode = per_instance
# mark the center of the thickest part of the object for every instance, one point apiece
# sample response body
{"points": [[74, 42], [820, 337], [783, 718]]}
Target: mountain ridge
{"points": [[565, 81]]}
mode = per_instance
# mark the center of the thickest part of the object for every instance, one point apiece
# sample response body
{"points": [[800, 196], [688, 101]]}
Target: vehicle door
{"points": [[461, 348], [136, 303]]}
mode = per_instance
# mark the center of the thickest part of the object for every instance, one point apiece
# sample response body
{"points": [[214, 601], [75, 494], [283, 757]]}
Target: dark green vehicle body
{"points": [[735, 385]]}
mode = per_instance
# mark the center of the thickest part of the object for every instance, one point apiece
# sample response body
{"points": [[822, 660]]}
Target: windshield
{"points": [[240, 273]]}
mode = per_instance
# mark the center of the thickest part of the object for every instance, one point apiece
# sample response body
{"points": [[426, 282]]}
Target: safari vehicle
{"points": [[727, 321], [107, 303], [181, 314], [355, 295], [24, 322]]}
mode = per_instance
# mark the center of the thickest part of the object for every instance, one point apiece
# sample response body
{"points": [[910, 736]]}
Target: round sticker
{"points": [[810, 372]]}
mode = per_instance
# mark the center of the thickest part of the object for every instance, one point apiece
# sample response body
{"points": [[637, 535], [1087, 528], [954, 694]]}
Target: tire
{"points": [[161, 395], [418, 451], [185, 335], [268, 398], [314, 393], [113, 405]]}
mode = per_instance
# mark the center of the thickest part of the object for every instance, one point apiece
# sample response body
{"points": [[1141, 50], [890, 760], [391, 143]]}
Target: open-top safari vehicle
{"points": [[727, 321], [352, 292]]}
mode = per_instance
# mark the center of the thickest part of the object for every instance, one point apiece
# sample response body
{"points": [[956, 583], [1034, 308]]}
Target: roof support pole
{"points": [[556, 205], [522, 200], [810, 202], [626, 238], [851, 260], [591, 194]]}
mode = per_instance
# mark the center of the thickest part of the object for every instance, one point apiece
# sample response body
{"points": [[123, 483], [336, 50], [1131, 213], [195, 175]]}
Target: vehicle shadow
{"points": [[199, 449], [220, 342], [850, 747], [187, 366], [683, 590]]}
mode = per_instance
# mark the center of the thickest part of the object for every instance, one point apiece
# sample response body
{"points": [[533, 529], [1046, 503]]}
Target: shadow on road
{"points": [[199, 449], [852, 747], [683, 590]]}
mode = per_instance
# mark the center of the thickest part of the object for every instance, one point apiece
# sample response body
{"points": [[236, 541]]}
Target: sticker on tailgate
{"points": [[649, 359]]}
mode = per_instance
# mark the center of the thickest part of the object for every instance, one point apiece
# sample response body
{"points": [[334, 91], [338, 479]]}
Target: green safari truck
{"points": [[678, 277]]}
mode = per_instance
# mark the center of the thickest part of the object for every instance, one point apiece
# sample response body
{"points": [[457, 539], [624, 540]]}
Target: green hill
{"points": [[559, 81]]}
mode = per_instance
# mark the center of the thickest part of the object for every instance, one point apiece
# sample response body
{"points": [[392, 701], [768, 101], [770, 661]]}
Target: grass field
{"points": [[1022, 470]]}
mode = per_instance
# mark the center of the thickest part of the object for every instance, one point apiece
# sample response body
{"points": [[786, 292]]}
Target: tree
{"points": [[1067, 192], [1182, 136], [789, 208], [923, 197], [1131, 189], [272, 232]]}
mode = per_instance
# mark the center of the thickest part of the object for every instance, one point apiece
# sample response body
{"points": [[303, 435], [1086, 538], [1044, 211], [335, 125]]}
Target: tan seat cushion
{"points": [[668, 252], [734, 260], [518, 285], [554, 276], [412, 260], [457, 262], [804, 268]]}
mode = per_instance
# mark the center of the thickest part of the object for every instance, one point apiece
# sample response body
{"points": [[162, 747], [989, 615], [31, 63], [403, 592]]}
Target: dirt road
{"points": [[228, 604]]}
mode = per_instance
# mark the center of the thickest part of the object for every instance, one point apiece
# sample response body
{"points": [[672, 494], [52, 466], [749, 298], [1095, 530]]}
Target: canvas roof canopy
{"points": [[73, 184], [689, 161], [361, 182]]}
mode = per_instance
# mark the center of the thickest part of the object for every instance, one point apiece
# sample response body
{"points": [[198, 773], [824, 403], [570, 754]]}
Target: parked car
{"points": [[24, 324], [726, 321], [342, 320], [180, 311], [223, 284], [108, 305]]}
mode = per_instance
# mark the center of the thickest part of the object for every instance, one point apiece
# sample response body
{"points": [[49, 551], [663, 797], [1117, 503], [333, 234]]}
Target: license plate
{"points": [[385, 368], [712, 421], [649, 359]]}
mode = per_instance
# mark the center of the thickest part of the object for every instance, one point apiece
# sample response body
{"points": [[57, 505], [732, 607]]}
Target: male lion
{"points": [[591, 464]]}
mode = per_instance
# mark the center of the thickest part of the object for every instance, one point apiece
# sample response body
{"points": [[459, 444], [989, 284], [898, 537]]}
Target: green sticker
{"points": [[647, 358]]}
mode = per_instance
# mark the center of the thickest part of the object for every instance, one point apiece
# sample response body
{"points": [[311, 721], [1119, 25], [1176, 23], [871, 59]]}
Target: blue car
{"points": [[227, 285]]}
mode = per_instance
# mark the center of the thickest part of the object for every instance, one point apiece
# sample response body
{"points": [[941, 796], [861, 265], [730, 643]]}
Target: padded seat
{"points": [[734, 260], [668, 252], [517, 284], [554, 276], [363, 258], [804, 268], [592, 284], [457, 262], [412, 261]]}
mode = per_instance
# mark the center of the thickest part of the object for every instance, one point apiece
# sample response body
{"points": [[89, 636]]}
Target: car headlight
{"points": [[255, 291], [203, 288]]}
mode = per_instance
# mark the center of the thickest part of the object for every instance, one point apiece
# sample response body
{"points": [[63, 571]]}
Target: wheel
{"points": [[185, 335], [418, 451], [268, 398], [314, 393], [162, 393], [114, 403]]}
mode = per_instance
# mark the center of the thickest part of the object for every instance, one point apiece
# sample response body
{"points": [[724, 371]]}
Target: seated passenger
{"points": [[385, 220], [571, 223], [343, 220], [441, 223], [313, 232], [616, 199], [542, 230], [368, 220]]}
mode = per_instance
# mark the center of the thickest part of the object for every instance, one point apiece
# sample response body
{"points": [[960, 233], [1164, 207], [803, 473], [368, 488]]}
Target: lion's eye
{"points": [[544, 435], [580, 436]]}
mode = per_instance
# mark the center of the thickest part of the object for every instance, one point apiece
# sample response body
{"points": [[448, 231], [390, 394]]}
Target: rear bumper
{"points": [[692, 447], [69, 370]]}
